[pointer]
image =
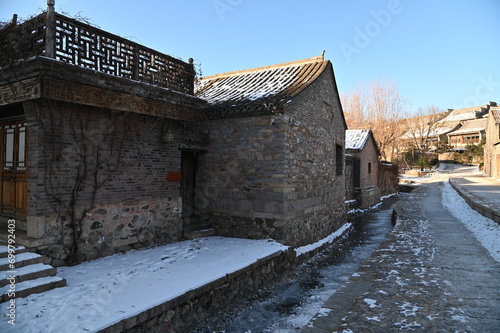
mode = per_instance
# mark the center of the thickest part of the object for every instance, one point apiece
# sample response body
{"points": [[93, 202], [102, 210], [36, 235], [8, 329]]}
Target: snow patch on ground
{"points": [[311, 247], [484, 229], [372, 303], [323, 312]]}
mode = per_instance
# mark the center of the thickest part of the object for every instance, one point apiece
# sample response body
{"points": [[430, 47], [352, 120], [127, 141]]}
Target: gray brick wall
{"points": [[125, 156]]}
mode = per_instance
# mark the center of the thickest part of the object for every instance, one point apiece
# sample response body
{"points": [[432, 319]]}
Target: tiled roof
{"points": [[356, 138], [471, 126], [465, 114], [257, 90]]}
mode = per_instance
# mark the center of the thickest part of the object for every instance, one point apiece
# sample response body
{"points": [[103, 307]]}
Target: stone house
{"points": [[363, 155], [274, 167], [94, 131], [492, 146]]}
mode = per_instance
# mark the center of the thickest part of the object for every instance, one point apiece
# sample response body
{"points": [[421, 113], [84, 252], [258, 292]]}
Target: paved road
{"points": [[430, 275]]}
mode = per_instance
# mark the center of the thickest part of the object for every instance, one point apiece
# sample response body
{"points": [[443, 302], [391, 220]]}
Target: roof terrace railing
{"points": [[59, 37]]}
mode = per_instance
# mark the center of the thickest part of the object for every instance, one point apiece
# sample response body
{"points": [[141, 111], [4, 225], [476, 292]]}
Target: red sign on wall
{"points": [[174, 176]]}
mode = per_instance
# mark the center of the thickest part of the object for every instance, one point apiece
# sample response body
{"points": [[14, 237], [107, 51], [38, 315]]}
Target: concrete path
{"points": [[430, 275]]}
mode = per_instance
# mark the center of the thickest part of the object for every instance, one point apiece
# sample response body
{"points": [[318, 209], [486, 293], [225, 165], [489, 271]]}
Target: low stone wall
{"points": [[418, 173], [476, 204], [186, 312]]}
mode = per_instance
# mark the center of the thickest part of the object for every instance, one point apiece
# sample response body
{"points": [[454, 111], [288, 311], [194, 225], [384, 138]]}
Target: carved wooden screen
{"points": [[83, 45]]}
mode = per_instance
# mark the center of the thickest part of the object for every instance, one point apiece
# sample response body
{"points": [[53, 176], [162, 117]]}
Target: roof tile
{"points": [[257, 90]]}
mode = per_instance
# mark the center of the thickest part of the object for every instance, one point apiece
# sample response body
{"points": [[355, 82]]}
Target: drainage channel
{"points": [[289, 305]]}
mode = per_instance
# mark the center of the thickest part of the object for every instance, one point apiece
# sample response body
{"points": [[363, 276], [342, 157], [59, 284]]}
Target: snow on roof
{"points": [[436, 131], [471, 126], [465, 114], [258, 89], [356, 138]]}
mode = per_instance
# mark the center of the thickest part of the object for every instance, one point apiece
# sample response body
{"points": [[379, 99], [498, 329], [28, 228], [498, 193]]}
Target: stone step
{"points": [[198, 231], [20, 225], [26, 273], [189, 221], [20, 260], [22, 239], [23, 289], [4, 250]]}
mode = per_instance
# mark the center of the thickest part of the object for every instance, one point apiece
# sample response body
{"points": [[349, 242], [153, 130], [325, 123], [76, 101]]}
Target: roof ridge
{"points": [[319, 58]]}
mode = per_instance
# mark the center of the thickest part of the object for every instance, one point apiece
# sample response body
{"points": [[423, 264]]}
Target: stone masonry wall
{"points": [[240, 177], [105, 168], [315, 192]]}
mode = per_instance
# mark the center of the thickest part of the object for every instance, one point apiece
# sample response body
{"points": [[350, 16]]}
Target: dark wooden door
{"points": [[188, 183], [13, 152]]}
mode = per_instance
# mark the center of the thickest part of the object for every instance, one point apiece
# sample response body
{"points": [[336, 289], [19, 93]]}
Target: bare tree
{"points": [[354, 109], [380, 107], [423, 132]]}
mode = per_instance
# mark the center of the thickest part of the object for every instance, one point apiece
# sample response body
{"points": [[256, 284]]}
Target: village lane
{"points": [[430, 275]]}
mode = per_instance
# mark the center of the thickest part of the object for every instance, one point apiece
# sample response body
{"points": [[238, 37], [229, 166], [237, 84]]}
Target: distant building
{"points": [[454, 130], [423, 131]]}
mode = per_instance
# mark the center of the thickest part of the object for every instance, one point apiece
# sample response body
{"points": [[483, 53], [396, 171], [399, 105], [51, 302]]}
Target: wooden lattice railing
{"points": [[74, 42]]}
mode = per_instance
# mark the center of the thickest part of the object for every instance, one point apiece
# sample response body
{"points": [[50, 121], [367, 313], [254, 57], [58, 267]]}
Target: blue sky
{"points": [[444, 53]]}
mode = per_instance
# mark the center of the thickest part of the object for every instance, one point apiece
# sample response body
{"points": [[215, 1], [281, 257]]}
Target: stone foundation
{"points": [[113, 228]]}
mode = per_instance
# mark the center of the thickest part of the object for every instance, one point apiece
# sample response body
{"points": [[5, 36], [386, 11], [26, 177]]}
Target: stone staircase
{"points": [[194, 229], [27, 274]]}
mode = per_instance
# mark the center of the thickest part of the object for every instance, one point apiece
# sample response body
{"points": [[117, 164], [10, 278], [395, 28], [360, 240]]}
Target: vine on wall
{"points": [[81, 154]]}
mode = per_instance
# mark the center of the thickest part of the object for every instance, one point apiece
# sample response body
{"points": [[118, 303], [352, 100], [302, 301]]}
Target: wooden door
{"points": [[188, 183], [13, 155]]}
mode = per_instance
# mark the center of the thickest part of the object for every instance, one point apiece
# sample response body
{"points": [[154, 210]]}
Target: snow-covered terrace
{"points": [[107, 291]]}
